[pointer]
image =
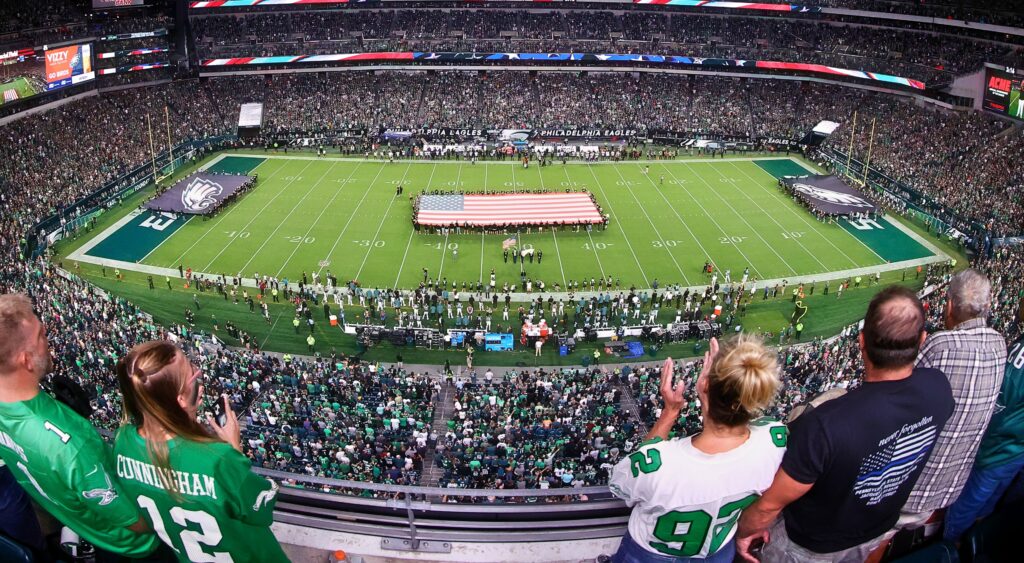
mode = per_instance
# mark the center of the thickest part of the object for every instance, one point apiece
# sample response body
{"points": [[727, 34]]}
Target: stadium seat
{"points": [[942, 552], [13, 552]]}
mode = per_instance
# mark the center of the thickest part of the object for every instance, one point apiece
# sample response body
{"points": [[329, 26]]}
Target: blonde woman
{"points": [[193, 485], [687, 493]]}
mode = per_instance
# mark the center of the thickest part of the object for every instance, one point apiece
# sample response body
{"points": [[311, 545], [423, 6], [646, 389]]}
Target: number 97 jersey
{"points": [[685, 502]]}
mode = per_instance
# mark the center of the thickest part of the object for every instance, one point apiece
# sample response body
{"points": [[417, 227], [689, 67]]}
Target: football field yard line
{"points": [[482, 239], [350, 217], [553, 236], [187, 221], [317, 220], [559, 255], [747, 223], [857, 239], [444, 250], [649, 220], [382, 221], [813, 226], [608, 202], [710, 216], [283, 221], [684, 223], [412, 233], [771, 216], [257, 215], [224, 214], [598, 257]]}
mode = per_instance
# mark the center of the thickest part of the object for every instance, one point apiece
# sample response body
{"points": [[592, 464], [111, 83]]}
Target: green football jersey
{"points": [[60, 459], [223, 510]]}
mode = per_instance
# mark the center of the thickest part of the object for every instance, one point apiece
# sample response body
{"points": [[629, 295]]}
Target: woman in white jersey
{"points": [[687, 493]]}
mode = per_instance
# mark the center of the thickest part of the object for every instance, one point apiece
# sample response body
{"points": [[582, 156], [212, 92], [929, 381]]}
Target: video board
{"points": [[107, 4], [68, 65], [1003, 86], [25, 73]]}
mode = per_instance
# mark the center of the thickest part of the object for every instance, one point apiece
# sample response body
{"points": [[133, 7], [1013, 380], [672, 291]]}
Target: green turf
{"points": [[347, 211], [826, 316], [20, 85], [235, 165], [664, 225]]}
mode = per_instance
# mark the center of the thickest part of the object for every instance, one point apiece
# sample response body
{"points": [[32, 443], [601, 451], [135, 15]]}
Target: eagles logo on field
{"points": [[830, 196], [200, 195]]}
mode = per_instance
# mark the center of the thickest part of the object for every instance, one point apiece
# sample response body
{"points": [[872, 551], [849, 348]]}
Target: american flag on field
{"points": [[10, 95], [513, 209], [508, 243], [883, 472]]}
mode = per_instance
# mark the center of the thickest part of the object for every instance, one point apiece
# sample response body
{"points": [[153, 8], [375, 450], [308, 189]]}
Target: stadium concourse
{"points": [[513, 451]]}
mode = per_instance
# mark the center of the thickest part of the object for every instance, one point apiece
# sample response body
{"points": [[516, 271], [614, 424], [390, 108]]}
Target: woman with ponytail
{"points": [[191, 481], [687, 493]]}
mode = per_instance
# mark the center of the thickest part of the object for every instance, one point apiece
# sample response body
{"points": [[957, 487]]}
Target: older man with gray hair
{"points": [[972, 356]]}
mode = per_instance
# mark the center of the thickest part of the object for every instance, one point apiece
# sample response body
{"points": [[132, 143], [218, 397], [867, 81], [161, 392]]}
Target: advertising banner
{"points": [[828, 194], [198, 194], [579, 58], [68, 65]]}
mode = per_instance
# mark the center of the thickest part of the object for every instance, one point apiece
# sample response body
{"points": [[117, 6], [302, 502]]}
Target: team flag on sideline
{"points": [[508, 209]]}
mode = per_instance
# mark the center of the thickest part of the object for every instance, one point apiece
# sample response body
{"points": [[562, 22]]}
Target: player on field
{"points": [[194, 484], [687, 493], [52, 452]]}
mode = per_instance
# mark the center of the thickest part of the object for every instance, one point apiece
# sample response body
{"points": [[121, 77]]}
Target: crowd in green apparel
{"points": [[344, 420], [1004, 271], [535, 429]]}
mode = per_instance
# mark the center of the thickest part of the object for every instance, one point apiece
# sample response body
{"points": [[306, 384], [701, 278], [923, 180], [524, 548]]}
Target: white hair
{"points": [[970, 294]]}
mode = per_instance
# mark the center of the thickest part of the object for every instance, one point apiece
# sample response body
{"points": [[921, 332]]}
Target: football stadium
{"points": [[501, 281]]}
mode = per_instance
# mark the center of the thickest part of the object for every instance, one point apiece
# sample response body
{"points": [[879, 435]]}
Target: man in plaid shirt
{"points": [[973, 357]]}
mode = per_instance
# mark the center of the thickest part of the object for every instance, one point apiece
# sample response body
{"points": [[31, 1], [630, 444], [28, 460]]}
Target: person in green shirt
{"points": [[1001, 452], [194, 484], [52, 452]]}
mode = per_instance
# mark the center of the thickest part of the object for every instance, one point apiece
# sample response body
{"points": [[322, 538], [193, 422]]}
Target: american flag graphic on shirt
{"points": [[511, 209], [882, 473]]}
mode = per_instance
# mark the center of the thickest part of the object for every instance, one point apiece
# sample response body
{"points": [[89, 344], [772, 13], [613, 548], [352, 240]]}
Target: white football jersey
{"points": [[685, 502]]}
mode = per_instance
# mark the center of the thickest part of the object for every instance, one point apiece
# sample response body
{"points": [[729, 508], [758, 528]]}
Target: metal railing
{"points": [[426, 518]]}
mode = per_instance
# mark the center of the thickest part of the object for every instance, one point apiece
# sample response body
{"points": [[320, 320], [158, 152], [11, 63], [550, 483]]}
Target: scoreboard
{"points": [[1003, 87], [107, 4]]}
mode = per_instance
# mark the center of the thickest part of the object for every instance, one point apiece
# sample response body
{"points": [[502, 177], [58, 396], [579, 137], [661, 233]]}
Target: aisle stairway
{"points": [[443, 412]]}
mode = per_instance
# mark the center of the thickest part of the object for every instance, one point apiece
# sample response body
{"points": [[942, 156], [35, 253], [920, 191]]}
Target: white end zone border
{"points": [[80, 254]]}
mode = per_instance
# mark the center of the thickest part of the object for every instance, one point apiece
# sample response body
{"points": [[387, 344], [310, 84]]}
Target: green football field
{"points": [[317, 215], [22, 87]]}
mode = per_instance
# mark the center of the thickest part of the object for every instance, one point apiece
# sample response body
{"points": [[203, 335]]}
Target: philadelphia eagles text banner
{"points": [[827, 194], [199, 194]]}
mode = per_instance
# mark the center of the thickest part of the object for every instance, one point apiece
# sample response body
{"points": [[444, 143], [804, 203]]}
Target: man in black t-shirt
{"points": [[852, 461]]}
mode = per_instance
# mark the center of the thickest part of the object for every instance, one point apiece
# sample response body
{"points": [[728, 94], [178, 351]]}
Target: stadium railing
{"points": [[407, 515]]}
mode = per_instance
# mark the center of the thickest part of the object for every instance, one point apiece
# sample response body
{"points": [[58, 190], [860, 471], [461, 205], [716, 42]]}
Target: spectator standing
{"points": [[703, 481], [183, 476], [1001, 452], [851, 462], [55, 454], [973, 357]]}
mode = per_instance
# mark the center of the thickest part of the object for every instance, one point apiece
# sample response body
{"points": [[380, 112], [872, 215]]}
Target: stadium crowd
{"points": [[346, 418], [977, 180], [916, 55]]}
